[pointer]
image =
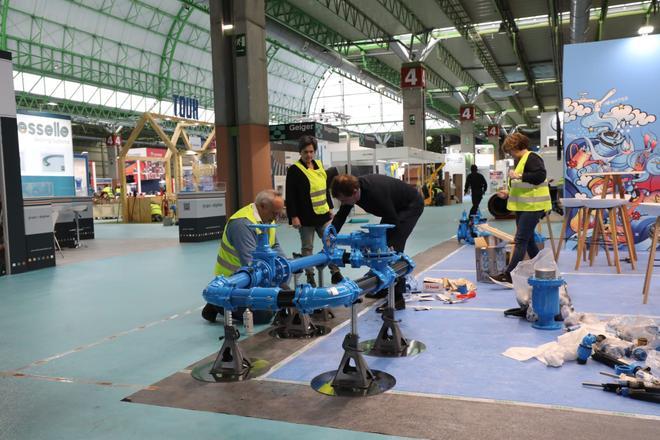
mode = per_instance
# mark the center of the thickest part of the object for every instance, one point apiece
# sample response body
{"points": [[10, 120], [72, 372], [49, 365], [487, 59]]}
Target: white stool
{"points": [[613, 207]]}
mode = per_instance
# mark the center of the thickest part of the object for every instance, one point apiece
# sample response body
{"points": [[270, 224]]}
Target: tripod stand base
{"points": [[412, 349], [203, 372], [382, 382], [291, 324]]}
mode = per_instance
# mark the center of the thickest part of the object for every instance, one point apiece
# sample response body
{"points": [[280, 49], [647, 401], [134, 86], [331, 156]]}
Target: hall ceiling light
{"points": [[53, 104]]}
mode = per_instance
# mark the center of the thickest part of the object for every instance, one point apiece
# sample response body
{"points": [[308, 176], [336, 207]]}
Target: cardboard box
{"points": [[490, 260]]}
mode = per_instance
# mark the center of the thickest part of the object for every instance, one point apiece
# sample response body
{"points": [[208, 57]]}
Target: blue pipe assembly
{"points": [[257, 287]]}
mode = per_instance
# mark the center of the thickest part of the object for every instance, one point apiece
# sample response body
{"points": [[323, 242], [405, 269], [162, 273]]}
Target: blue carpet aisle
{"points": [[465, 342]]}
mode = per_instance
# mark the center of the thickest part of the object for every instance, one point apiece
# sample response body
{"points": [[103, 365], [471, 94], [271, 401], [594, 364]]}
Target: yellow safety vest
{"points": [[108, 191], [155, 208], [317, 187], [228, 260], [524, 196]]}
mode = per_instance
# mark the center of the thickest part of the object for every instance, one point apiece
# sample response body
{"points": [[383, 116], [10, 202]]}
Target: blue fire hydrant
{"points": [[545, 298]]}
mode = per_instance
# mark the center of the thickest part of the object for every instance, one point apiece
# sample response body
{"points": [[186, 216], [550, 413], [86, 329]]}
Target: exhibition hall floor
{"points": [[77, 339]]}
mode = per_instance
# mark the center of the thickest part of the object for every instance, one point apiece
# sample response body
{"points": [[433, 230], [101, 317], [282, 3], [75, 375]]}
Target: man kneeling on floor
{"points": [[396, 202], [239, 241]]}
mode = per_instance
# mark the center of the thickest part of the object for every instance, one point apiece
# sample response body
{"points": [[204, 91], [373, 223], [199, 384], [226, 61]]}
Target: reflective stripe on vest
{"points": [[317, 187], [228, 260], [524, 196]]}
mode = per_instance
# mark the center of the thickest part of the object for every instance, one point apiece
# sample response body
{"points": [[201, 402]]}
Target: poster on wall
{"points": [[46, 153], [81, 175], [611, 122]]}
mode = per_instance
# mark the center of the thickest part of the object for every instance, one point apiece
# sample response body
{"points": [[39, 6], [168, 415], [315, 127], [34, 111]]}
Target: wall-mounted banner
{"points": [[46, 149], [611, 122], [293, 132]]}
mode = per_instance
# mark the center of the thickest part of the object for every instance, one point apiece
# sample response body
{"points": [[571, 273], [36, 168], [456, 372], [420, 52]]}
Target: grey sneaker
{"points": [[503, 279]]}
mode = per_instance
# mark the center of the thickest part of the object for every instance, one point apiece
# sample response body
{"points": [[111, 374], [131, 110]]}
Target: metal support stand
{"points": [[390, 342], [231, 364], [353, 377], [291, 324]]}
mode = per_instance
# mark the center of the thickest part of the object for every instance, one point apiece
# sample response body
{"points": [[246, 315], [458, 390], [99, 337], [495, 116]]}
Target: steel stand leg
{"points": [[353, 371], [390, 340], [231, 361]]}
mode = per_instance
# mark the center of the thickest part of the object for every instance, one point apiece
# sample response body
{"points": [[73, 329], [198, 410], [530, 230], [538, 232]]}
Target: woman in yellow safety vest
{"points": [[528, 196], [308, 202]]}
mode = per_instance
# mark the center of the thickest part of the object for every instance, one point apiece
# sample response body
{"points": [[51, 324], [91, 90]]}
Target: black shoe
{"points": [[503, 279], [311, 280], [210, 312], [336, 278], [377, 295], [398, 305]]}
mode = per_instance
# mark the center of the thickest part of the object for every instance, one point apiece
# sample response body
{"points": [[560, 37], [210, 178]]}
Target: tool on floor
{"points": [[637, 391]]}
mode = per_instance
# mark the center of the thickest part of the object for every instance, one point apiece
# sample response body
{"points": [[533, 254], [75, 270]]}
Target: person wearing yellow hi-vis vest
{"points": [[308, 201], [239, 241], [528, 196]]}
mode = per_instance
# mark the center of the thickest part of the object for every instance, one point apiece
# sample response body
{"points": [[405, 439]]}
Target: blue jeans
{"points": [[526, 222]]}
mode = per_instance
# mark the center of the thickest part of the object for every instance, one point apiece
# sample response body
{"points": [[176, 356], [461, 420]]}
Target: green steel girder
{"points": [[292, 73], [404, 15], [271, 51], [170, 47], [381, 70], [513, 33], [149, 18], [356, 18], [37, 58], [71, 38], [298, 21], [455, 11], [4, 10], [30, 101], [413, 24], [385, 92]]}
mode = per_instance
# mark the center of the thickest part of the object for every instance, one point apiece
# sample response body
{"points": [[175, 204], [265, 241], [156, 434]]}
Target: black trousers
{"points": [[476, 200], [526, 222], [397, 237]]}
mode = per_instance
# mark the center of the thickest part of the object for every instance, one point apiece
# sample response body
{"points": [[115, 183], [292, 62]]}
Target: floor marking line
{"points": [[495, 401], [61, 379], [107, 338]]}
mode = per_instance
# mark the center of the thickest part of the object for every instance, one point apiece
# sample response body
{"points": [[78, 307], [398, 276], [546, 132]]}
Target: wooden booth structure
{"points": [[137, 209]]}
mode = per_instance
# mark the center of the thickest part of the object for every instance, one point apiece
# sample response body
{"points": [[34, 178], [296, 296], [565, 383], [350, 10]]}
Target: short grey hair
{"points": [[266, 197]]}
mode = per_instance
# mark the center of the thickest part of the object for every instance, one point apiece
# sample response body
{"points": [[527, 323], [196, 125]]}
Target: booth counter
{"points": [[202, 215], [69, 218]]}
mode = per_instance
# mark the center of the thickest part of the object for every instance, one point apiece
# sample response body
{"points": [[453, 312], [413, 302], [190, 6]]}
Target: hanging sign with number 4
{"points": [[467, 113], [493, 131], [412, 77]]}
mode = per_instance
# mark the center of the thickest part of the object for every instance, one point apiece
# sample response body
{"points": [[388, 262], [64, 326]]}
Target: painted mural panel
{"points": [[611, 121]]}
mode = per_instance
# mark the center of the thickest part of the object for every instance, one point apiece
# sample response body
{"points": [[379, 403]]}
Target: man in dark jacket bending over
{"points": [[396, 202]]}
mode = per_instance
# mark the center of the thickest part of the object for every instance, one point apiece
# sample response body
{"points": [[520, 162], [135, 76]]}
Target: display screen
{"points": [[46, 149]]}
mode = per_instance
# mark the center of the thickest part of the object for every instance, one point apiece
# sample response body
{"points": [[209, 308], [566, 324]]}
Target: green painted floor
{"points": [[77, 338]]}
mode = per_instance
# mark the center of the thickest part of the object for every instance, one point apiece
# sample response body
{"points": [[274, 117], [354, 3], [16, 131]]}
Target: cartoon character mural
{"points": [[609, 134]]}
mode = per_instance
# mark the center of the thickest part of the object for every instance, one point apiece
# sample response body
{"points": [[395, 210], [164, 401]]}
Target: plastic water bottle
{"points": [[248, 322]]}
